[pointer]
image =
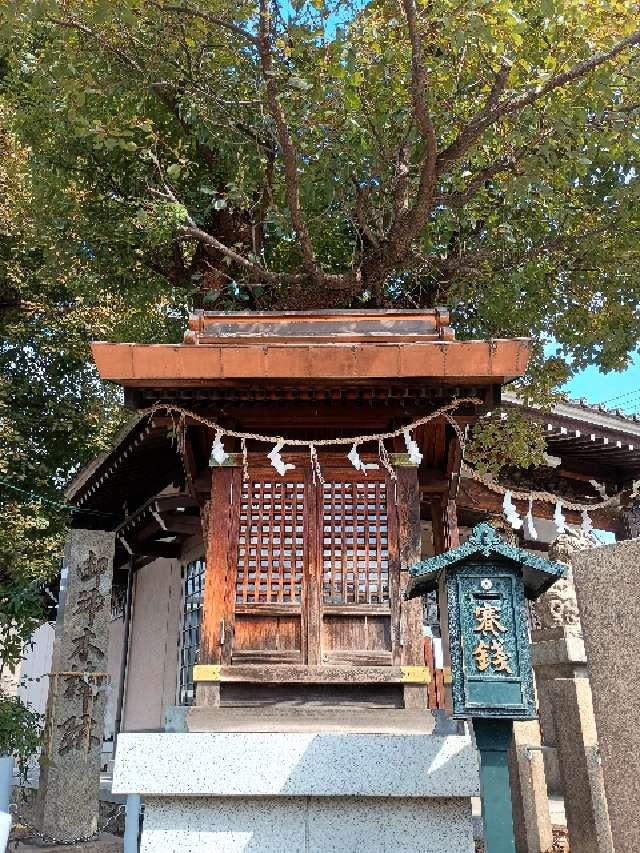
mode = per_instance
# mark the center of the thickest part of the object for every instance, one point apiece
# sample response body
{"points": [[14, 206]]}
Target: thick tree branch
{"points": [[495, 109], [107, 46], [292, 189], [401, 185], [262, 275], [469, 263], [216, 21], [498, 87], [405, 228], [361, 215], [164, 90]]}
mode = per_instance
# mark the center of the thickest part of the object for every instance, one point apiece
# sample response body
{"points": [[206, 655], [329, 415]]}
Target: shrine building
{"points": [[250, 533]]}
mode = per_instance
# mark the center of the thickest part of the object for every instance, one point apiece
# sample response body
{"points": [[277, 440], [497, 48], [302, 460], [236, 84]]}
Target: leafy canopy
{"points": [[158, 156]]}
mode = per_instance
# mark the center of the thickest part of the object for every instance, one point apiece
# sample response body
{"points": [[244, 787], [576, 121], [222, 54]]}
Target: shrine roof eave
{"points": [[538, 574], [462, 362]]}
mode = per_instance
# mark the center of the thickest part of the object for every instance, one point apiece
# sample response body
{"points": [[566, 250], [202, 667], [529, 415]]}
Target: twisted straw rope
{"points": [[546, 497], [444, 412]]}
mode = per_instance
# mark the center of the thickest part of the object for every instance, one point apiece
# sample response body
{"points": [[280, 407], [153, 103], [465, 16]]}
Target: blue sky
{"points": [[599, 387]]}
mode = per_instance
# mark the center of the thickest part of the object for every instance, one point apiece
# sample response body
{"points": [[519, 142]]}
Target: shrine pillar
{"points": [[411, 612], [630, 520], [68, 797]]}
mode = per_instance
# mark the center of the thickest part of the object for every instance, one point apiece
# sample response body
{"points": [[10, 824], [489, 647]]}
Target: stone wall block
{"points": [[607, 582], [531, 818]]}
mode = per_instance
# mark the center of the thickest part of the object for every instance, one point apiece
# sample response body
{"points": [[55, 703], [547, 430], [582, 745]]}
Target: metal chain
{"points": [[60, 842]]}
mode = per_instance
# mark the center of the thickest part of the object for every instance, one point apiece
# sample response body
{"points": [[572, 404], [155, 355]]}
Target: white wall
{"points": [[114, 662], [33, 683], [153, 650]]}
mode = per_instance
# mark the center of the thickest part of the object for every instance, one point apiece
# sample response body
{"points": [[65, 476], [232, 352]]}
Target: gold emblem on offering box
{"points": [[490, 654], [488, 621]]}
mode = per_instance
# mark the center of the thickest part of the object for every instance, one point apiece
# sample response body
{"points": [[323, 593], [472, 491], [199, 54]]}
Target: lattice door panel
{"points": [[356, 561], [355, 543], [270, 570], [271, 543]]}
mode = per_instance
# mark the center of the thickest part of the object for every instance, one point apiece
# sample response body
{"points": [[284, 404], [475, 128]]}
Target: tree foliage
{"points": [[161, 155], [497, 442]]}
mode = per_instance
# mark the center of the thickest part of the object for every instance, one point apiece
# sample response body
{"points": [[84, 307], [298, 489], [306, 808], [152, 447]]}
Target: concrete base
{"points": [[311, 792], [307, 825]]}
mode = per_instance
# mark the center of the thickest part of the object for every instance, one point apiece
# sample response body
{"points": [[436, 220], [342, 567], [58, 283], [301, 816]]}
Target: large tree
{"points": [[263, 154]]}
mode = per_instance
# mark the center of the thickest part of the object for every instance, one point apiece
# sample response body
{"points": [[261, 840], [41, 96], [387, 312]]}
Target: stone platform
{"points": [[311, 792]]}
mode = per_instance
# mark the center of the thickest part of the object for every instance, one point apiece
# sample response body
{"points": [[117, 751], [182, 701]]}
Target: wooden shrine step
{"points": [[383, 721]]}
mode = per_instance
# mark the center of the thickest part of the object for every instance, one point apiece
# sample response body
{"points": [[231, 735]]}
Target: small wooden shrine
{"points": [[309, 446]]}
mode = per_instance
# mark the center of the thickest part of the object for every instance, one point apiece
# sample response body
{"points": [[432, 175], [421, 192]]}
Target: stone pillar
{"points": [[607, 582], [630, 520], [68, 798], [585, 803], [531, 818], [566, 712]]}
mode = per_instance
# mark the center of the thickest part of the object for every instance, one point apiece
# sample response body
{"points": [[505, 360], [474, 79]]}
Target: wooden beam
{"points": [[437, 525], [302, 674], [212, 633], [187, 524], [452, 534], [166, 502], [170, 550], [411, 612], [216, 637]]}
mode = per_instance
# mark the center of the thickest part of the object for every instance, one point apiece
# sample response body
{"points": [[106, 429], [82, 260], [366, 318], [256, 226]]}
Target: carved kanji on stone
{"points": [[68, 797], [76, 734], [84, 648], [78, 689], [90, 602], [93, 567]]}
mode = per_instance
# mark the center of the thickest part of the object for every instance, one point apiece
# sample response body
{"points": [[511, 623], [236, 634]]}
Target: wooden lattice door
{"points": [[359, 568], [300, 570], [272, 557]]}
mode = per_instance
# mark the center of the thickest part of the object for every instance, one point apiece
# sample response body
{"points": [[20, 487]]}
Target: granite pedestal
{"points": [[607, 582], [311, 792]]}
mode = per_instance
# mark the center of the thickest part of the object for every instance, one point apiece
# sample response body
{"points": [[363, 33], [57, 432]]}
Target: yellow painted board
{"points": [[415, 674], [206, 672]]}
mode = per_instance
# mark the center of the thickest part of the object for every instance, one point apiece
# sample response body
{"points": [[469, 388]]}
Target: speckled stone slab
{"points": [[259, 764], [607, 581], [68, 802], [307, 825]]}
